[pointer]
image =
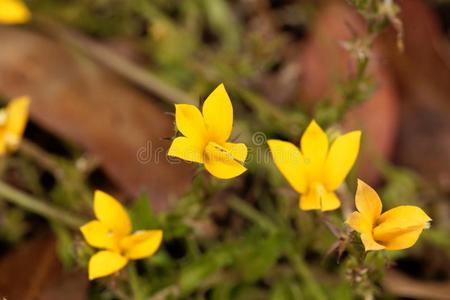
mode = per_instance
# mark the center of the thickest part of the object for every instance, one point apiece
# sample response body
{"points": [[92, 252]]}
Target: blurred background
{"points": [[104, 75]]}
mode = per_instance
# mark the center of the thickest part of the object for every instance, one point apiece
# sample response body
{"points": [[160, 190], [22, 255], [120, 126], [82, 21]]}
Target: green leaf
{"points": [[142, 215], [258, 254], [194, 274]]}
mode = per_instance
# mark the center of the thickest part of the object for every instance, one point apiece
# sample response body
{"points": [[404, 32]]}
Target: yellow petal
{"points": [[13, 12], [2, 143], [406, 215], [221, 163], [190, 122], [400, 226], [369, 243], [16, 120], [367, 202], [359, 223], [104, 263], [110, 212], [330, 201], [237, 150], [141, 244], [341, 157], [318, 198], [187, 149], [99, 235], [290, 162], [309, 201], [218, 114], [403, 241], [314, 144]]}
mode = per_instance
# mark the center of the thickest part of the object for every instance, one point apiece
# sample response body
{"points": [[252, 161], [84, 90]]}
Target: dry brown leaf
{"points": [[32, 272], [422, 72], [400, 285], [79, 101]]}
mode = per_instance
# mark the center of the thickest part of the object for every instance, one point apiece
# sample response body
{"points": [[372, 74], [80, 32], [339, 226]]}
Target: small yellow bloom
{"points": [[112, 233], [13, 120], [13, 12], [395, 229], [318, 169], [206, 134]]}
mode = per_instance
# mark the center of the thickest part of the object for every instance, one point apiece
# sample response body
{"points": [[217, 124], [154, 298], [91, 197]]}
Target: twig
{"points": [[252, 214], [163, 294], [102, 54], [40, 207], [42, 158]]}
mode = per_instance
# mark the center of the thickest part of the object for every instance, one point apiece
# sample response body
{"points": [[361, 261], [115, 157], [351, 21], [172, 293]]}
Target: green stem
{"points": [[39, 207], [304, 273], [120, 65], [42, 158], [252, 214], [134, 282], [297, 261]]}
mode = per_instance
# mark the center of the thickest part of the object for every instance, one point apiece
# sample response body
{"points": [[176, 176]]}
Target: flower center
{"points": [[214, 151]]}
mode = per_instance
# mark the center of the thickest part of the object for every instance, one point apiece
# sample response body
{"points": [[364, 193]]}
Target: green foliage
{"points": [[12, 224]]}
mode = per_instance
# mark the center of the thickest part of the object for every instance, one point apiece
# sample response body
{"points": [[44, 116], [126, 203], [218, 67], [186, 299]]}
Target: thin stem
{"points": [[102, 54], [297, 261], [304, 273], [134, 282], [39, 207], [252, 214], [42, 158]]}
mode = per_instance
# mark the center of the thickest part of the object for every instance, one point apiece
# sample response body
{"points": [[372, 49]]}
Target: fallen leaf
{"points": [[89, 106], [32, 271]]}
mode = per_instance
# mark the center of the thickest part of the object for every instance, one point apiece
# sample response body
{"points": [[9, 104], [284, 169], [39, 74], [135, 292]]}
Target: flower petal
{"points": [[13, 12], [221, 163], [405, 215], [218, 114], [400, 221], [104, 263], [309, 201], [368, 202], [16, 120], [190, 122], [341, 157], [99, 235], [186, 148], [110, 212], [314, 144], [2, 144], [369, 243], [330, 201], [318, 198], [359, 223], [141, 244], [403, 241], [237, 150], [290, 162]]}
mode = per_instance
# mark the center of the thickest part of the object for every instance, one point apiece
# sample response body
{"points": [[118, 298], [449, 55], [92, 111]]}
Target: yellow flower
{"points": [[13, 12], [318, 169], [13, 120], [395, 229], [206, 134], [112, 232]]}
